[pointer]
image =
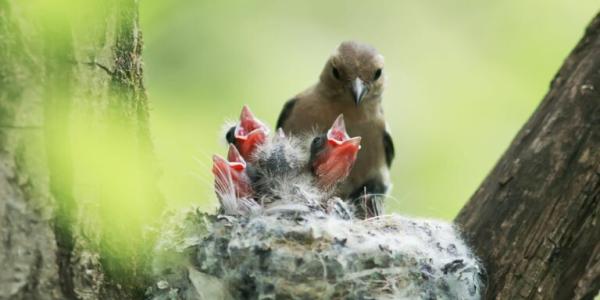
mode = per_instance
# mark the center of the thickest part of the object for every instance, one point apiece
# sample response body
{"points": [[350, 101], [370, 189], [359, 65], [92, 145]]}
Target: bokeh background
{"points": [[463, 77]]}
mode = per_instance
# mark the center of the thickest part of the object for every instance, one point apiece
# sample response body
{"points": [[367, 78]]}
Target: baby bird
{"points": [[352, 84], [233, 186], [247, 134], [332, 155]]}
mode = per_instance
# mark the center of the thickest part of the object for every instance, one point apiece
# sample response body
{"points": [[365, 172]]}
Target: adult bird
{"points": [[351, 83]]}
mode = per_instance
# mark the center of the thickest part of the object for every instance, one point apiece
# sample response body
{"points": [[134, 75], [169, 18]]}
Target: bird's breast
{"points": [[312, 114]]}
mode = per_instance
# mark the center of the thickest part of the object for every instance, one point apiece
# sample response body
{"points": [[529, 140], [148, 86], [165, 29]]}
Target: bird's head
{"points": [[354, 71], [248, 134], [332, 155], [231, 180]]}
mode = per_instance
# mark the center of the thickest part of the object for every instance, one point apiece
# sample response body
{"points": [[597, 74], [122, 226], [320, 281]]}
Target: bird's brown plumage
{"points": [[317, 107]]}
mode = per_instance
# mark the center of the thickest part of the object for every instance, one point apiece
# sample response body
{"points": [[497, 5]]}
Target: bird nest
{"points": [[308, 246]]}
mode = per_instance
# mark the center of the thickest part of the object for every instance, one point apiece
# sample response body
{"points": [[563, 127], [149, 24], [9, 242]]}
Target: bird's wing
{"points": [[388, 146], [286, 112]]}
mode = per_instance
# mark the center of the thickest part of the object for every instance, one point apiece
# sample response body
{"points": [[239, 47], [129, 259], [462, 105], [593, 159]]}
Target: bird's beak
{"points": [[337, 162], [223, 169], [235, 159], [358, 90], [337, 133], [249, 122], [247, 144]]}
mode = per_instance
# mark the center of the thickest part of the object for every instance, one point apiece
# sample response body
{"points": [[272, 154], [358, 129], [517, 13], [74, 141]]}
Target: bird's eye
{"points": [[317, 141], [316, 145], [377, 74], [335, 73]]}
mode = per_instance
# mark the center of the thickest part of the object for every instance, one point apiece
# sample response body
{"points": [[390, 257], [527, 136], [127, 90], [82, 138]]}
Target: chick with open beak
{"points": [[247, 134], [232, 184], [332, 155]]}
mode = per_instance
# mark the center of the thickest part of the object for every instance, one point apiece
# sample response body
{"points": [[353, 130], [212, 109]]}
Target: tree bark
{"points": [[70, 78], [534, 221]]}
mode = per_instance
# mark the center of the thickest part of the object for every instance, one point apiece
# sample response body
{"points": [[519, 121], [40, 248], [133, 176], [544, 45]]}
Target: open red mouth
{"points": [[335, 162], [231, 179], [249, 133]]}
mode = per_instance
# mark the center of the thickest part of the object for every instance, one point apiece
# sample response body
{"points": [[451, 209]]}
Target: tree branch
{"points": [[535, 219]]}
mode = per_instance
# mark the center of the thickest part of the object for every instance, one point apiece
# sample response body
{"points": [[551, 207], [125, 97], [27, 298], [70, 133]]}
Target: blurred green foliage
{"points": [[463, 78]]}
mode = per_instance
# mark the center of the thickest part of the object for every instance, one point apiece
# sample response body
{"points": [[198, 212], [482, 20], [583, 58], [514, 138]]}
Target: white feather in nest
{"points": [[293, 240]]}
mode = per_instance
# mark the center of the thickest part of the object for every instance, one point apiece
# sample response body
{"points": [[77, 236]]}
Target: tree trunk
{"points": [[76, 164], [534, 221]]}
